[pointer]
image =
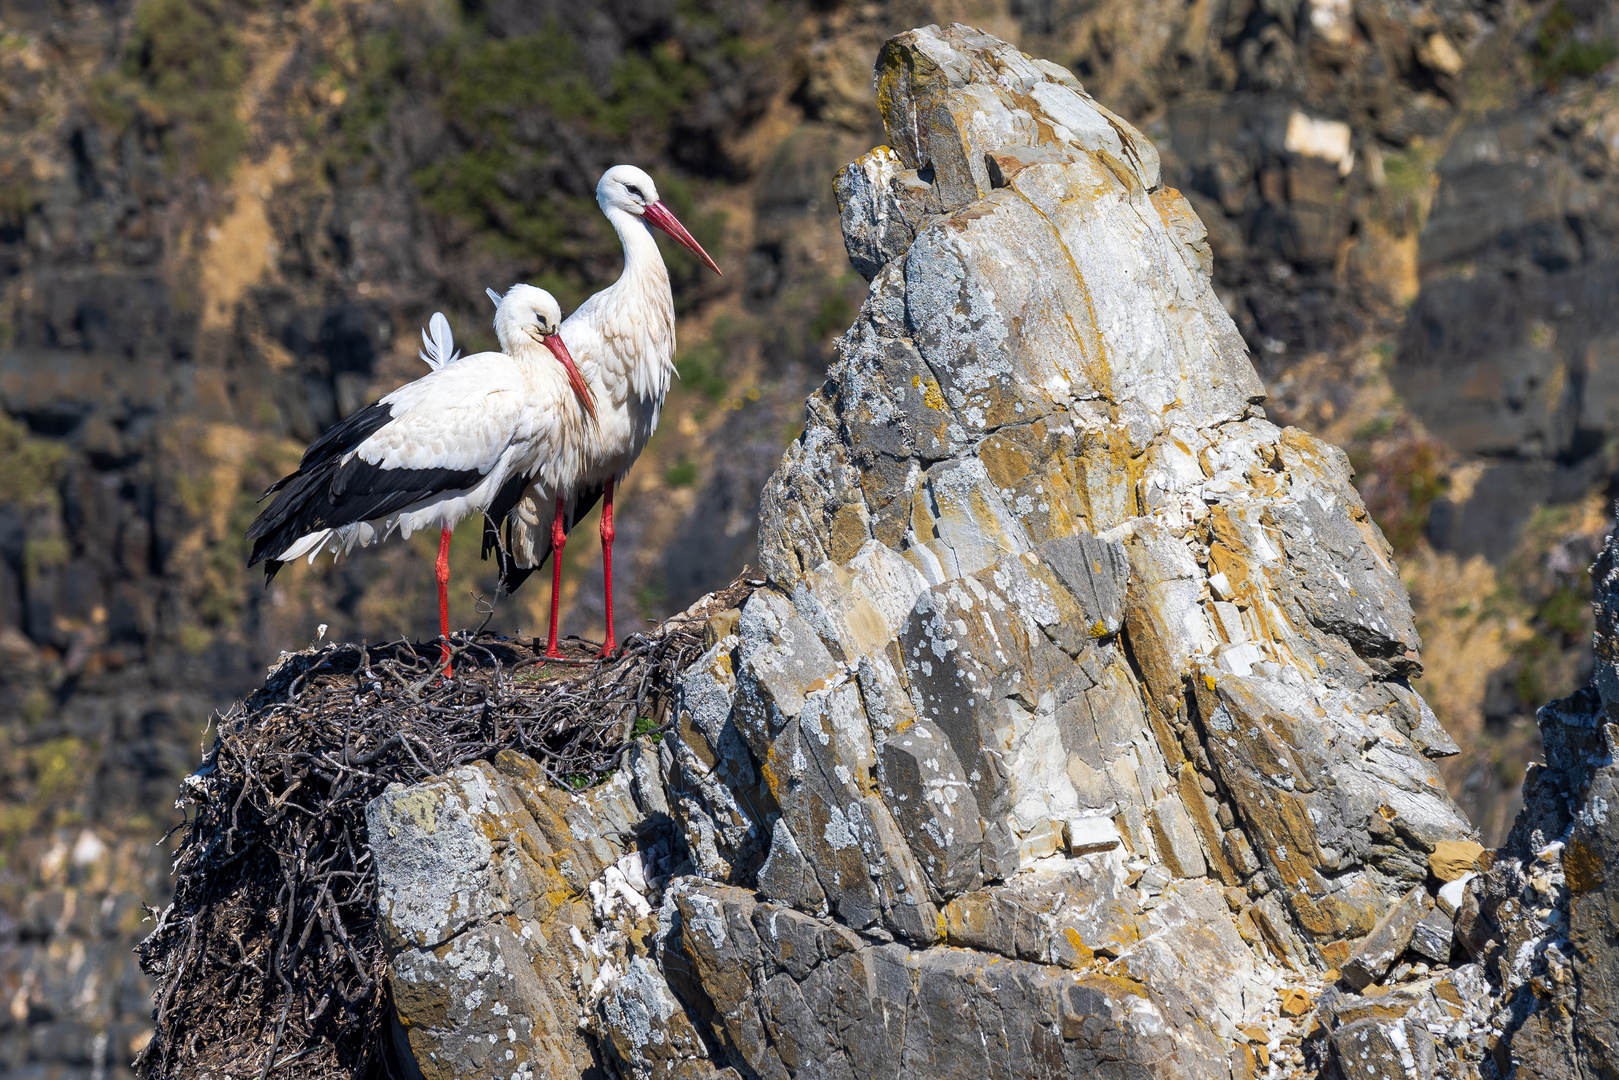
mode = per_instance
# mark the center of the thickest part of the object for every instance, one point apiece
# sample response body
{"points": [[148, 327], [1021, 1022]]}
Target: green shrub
{"points": [[1559, 53], [701, 365], [682, 473], [1400, 483], [185, 66], [495, 95], [832, 317], [30, 468]]}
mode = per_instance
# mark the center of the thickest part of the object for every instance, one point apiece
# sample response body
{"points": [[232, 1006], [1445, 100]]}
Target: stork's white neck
{"points": [[623, 339], [642, 259], [637, 312]]}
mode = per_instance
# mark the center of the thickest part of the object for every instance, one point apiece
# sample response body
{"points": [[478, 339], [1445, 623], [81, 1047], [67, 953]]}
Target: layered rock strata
{"points": [[1071, 734]]}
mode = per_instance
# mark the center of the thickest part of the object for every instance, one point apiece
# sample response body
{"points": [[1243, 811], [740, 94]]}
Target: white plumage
{"points": [[440, 349], [466, 438], [624, 341]]}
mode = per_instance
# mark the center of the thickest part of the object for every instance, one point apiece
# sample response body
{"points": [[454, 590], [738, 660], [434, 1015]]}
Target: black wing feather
{"points": [[338, 440], [326, 492]]}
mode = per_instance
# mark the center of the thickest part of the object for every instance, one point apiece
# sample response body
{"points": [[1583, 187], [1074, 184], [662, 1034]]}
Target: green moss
{"points": [[682, 473], [30, 468], [57, 766]]}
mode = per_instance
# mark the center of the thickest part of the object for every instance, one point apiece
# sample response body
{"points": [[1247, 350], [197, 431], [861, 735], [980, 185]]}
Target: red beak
{"points": [[580, 390], [659, 215]]}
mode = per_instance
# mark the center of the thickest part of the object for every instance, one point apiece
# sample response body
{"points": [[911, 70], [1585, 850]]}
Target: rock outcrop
{"points": [[1537, 918], [1071, 734]]}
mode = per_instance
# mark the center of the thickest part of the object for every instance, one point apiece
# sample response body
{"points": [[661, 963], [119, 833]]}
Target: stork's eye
{"points": [[636, 192]]}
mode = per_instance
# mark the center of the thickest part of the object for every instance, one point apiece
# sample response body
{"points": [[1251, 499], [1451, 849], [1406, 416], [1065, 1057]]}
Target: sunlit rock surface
{"points": [[1071, 734]]}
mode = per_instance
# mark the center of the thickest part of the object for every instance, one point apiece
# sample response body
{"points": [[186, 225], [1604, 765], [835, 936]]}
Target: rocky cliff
{"points": [[221, 222], [1072, 733]]}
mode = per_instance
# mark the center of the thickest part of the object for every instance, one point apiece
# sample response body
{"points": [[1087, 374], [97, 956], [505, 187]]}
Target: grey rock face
{"points": [[1539, 997], [1433, 936], [1071, 734], [435, 890], [1544, 919], [506, 904], [1512, 360]]}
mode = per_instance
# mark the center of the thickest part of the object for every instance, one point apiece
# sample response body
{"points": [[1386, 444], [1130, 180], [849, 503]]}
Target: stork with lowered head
{"points": [[473, 436]]}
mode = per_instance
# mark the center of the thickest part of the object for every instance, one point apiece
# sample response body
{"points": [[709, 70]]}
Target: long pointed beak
{"points": [[580, 390], [659, 215]]}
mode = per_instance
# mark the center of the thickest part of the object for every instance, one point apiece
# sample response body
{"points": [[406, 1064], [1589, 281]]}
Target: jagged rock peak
{"points": [[1072, 734]]}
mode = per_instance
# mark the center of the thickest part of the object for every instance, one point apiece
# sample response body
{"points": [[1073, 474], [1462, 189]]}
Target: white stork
{"points": [[624, 339], [469, 437]]}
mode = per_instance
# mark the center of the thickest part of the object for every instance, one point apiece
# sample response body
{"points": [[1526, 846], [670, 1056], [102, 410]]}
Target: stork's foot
{"points": [[607, 650]]}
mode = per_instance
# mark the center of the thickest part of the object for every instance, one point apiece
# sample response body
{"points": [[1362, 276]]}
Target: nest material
{"points": [[269, 960]]}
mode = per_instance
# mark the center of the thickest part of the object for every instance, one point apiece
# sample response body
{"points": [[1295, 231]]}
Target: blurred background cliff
{"points": [[222, 223]]}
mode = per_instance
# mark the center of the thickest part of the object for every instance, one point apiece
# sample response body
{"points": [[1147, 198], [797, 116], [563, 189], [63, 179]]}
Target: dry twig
{"points": [[268, 962]]}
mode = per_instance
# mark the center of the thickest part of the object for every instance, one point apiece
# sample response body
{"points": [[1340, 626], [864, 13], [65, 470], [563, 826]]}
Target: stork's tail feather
{"points": [[439, 348]]}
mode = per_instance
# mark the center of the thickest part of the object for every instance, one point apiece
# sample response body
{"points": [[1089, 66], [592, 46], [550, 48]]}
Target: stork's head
{"points": [[526, 316], [626, 188]]}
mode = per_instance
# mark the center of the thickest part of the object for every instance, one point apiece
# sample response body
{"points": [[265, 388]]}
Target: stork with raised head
{"points": [[469, 437], [624, 339]]}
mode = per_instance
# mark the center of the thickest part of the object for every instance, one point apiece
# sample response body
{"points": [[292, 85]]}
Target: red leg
{"points": [[443, 570], [558, 539], [607, 564]]}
